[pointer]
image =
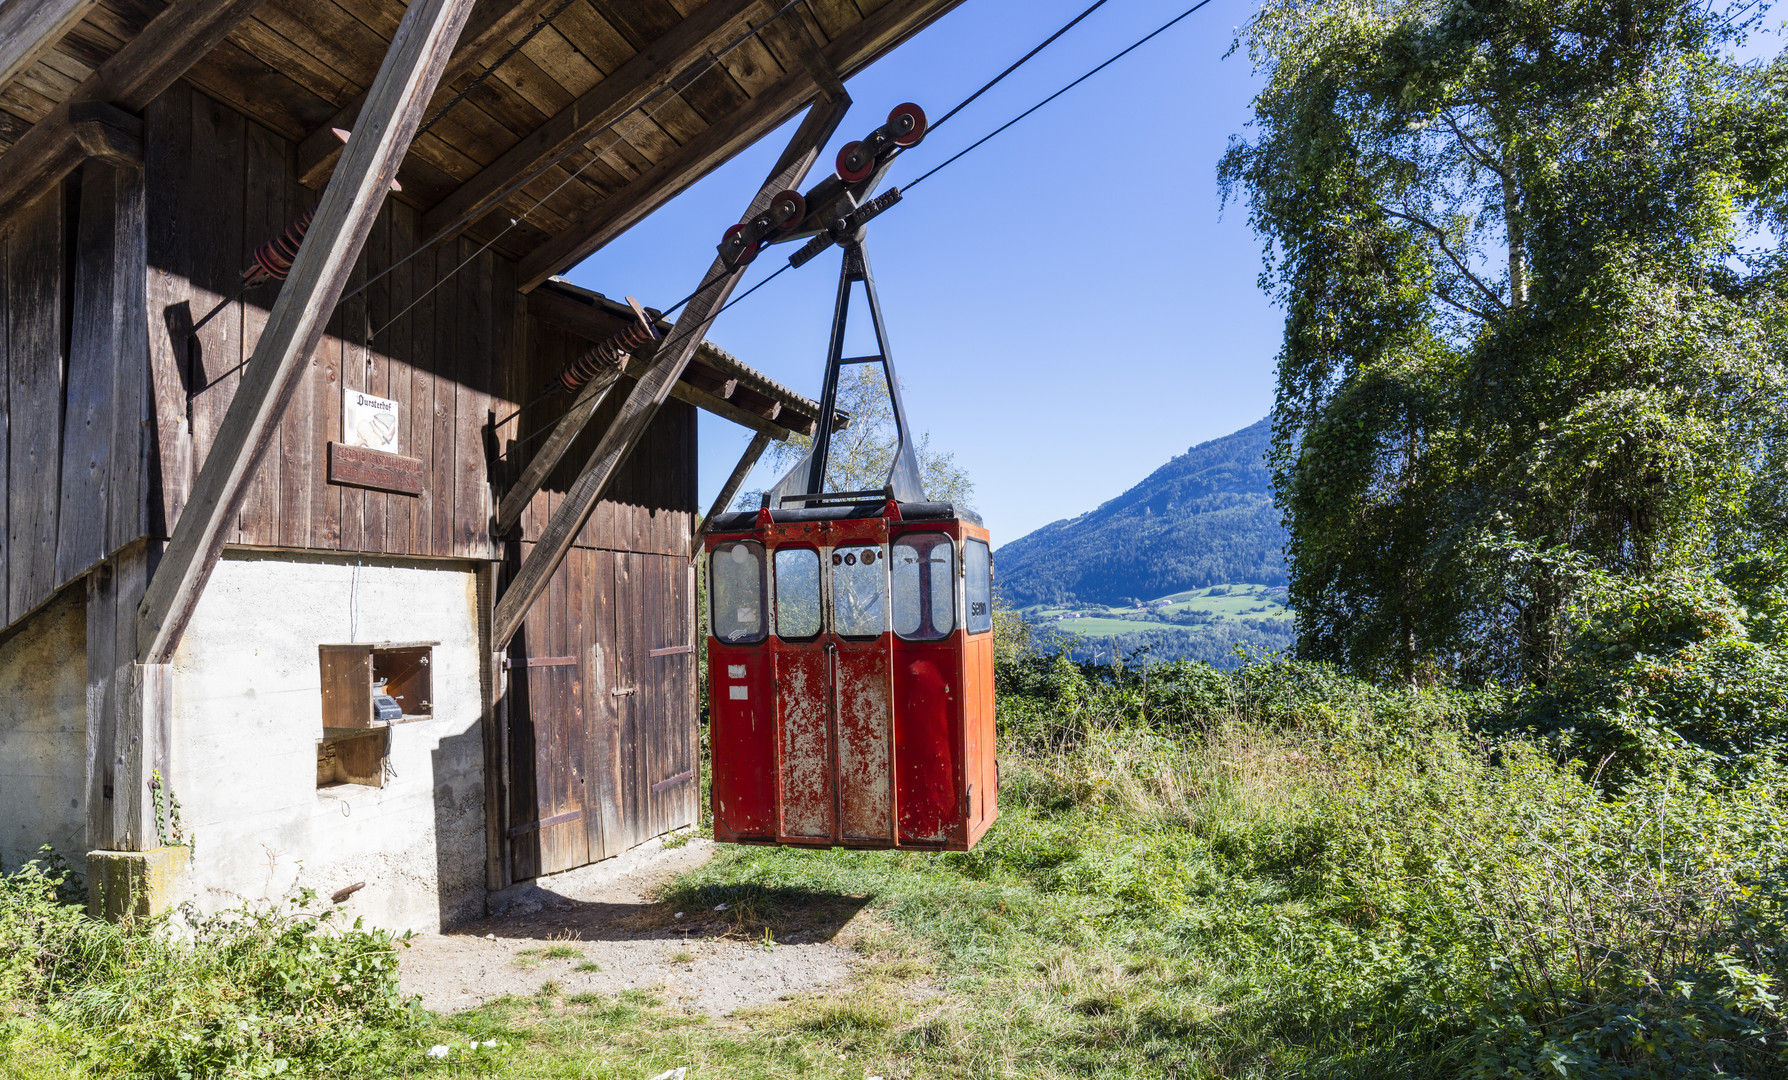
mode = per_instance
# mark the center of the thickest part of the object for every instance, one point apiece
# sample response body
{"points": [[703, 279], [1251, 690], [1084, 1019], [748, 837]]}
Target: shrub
{"points": [[1392, 880], [278, 990]]}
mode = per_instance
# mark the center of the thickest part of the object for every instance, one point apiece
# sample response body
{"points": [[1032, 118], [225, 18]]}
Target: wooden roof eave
{"points": [[145, 66], [188, 36], [850, 52], [715, 380]]}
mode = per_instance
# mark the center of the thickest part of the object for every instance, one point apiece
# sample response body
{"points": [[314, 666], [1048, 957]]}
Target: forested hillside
{"points": [[1204, 518]]}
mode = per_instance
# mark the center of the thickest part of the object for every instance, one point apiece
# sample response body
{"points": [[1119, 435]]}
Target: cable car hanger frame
{"points": [[835, 212]]}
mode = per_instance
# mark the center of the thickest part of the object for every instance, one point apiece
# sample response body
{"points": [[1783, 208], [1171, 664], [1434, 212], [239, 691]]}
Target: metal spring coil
{"points": [[609, 354], [273, 260]]}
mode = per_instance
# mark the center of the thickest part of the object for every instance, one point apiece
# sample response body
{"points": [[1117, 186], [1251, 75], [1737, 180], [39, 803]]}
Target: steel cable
{"points": [[1114, 58]]}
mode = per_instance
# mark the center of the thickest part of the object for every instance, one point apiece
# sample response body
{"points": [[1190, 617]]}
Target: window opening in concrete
{"points": [[356, 757]]}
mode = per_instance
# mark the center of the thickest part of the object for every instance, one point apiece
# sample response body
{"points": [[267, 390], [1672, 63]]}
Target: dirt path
{"points": [[598, 928]]}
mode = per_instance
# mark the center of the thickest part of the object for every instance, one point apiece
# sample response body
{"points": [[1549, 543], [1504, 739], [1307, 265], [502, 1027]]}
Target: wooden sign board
{"points": [[360, 467]]}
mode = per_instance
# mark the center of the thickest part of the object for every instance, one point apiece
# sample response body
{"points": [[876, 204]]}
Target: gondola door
{"points": [[834, 691]]}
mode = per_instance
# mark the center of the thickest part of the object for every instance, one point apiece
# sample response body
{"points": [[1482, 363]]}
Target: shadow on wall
{"points": [[43, 733], [458, 768]]}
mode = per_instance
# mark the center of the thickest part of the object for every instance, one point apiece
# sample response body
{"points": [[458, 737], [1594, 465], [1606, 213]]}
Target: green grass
{"points": [[1310, 881], [1273, 872]]}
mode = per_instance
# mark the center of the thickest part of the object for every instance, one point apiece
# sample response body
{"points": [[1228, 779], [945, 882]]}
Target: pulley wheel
{"points": [[733, 238], [788, 208], [912, 137], [865, 162]]}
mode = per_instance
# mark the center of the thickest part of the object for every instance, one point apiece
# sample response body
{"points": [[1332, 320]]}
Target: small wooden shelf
{"points": [[350, 673]]}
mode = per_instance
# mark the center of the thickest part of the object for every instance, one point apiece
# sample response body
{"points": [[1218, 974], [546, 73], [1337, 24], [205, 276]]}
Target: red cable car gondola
{"points": [[850, 649]]}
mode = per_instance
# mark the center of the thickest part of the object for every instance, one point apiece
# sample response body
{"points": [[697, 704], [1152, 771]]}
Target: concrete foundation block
{"points": [[134, 883]]}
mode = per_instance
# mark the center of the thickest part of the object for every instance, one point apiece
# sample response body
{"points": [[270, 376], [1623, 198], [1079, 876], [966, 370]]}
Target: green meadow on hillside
{"points": [[1205, 624]]}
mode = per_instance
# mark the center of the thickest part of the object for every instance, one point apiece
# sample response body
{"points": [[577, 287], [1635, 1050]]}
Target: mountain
{"points": [[1204, 518]]}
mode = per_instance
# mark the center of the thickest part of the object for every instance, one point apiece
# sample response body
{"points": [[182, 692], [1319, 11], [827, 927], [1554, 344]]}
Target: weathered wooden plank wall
{"points": [[650, 506], [36, 303], [602, 710], [223, 186], [96, 454]]}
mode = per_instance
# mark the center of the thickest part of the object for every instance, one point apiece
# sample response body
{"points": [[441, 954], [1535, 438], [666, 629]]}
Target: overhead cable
{"points": [[1139, 43]]}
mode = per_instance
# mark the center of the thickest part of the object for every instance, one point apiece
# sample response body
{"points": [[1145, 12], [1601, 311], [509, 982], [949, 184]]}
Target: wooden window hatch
{"points": [[353, 675]]}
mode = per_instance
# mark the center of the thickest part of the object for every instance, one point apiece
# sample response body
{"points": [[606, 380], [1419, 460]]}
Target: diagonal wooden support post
{"points": [[565, 431], [394, 105], [655, 383], [728, 491]]}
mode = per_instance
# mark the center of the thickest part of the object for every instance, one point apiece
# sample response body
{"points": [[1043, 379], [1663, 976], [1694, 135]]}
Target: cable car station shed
{"points": [[286, 549]]}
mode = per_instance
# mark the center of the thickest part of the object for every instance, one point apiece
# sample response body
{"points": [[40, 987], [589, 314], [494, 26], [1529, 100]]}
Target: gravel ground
{"points": [[624, 940]]}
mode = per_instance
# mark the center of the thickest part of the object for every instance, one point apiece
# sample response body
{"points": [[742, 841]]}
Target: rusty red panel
{"points": [[803, 705], [864, 699], [926, 740], [742, 732]]}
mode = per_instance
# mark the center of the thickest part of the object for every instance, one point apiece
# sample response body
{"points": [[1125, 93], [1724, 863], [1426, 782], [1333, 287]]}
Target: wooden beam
{"points": [[129, 709], [489, 28], [107, 133], [105, 468], [406, 79], [658, 185], [654, 385], [623, 90], [709, 381], [147, 64], [30, 28], [726, 410], [729, 490], [850, 52], [565, 432]]}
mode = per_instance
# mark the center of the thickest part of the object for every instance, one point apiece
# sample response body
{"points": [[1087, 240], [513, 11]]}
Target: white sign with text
{"points": [[368, 421]]}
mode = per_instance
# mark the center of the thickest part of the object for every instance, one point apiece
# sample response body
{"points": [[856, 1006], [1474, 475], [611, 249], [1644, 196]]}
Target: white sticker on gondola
{"points": [[737, 693], [747, 616], [735, 671]]}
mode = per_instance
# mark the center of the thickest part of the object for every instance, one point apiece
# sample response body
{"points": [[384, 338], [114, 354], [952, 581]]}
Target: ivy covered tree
{"points": [[1535, 319]]}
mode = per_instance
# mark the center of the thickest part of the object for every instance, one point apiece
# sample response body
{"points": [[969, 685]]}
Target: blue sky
{"points": [[1066, 307], [1070, 305]]}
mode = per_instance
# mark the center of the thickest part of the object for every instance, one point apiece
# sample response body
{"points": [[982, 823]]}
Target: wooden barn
{"points": [[304, 581]]}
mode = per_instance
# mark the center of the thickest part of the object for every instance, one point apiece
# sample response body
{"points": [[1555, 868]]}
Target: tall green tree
{"points": [[1525, 356]]}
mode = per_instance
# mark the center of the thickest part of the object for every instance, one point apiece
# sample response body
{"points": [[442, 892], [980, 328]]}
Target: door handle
{"points": [[622, 691]]}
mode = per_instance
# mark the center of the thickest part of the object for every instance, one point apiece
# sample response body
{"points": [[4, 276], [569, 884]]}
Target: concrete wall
{"points": [[247, 717], [43, 733]]}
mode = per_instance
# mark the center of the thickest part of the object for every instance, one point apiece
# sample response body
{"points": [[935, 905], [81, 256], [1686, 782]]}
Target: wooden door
{"points": [[547, 831], [652, 696], [602, 711], [668, 694]]}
